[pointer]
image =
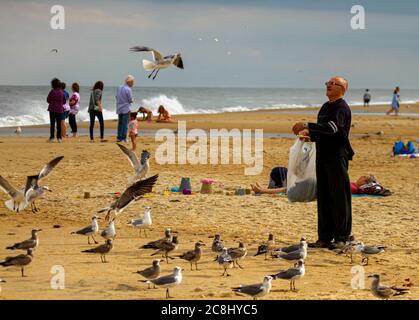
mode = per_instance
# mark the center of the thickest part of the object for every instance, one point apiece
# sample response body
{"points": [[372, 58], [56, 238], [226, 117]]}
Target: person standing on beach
{"points": [[333, 151], [367, 98], [133, 129], [123, 107], [74, 108], [66, 111], [96, 110], [395, 102], [56, 103]]}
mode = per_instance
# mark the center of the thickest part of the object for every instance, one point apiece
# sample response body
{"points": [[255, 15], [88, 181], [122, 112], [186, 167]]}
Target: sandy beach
{"points": [[101, 168]]}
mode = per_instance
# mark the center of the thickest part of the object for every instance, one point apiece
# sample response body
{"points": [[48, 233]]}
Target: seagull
{"points": [[89, 231], [349, 248], [155, 244], [366, 251], [193, 256], [21, 261], [291, 274], [290, 248], [143, 223], [166, 247], [54, 50], [168, 281], [109, 232], [34, 191], [103, 249], [217, 244], [31, 243], [266, 247], [18, 131], [141, 166], [237, 254], [159, 62], [134, 192], [225, 260], [20, 197], [384, 292], [300, 253], [152, 272], [256, 290]]}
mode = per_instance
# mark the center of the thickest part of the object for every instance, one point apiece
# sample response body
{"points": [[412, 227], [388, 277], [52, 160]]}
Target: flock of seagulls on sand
{"points": [[167, 247]]}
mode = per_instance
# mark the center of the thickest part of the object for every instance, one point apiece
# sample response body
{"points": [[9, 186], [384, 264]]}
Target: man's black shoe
{"points": [[319, 244]]}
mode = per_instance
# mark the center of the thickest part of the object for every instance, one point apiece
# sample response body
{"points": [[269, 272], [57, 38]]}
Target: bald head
{"points": [[336, 88]]}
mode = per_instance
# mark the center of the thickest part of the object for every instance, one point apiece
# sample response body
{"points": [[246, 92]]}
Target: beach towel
{"points": [[301, 176]]}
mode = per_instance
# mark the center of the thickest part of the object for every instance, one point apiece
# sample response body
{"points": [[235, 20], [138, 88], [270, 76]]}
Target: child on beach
{"points": [[133, 129], [164, 115], [145, 112], [74, 108], [66, 111]]}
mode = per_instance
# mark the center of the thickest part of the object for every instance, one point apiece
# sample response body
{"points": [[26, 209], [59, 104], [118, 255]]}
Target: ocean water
{"points": [[26, 105]]}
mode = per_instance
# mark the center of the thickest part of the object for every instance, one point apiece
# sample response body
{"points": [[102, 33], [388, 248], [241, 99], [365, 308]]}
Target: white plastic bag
{"points": [[301, 177]]}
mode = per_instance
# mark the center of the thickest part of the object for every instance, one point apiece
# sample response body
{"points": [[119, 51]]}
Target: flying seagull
{"points": [[168, 281], [54, 50], [141, 166], [159, 62], [21, 261], [384, 292], [143, 223], [152, 272], [103, 249], [193, 256], [133, 193], [31, 243], [256, 290], [89, 231], [31, 191]]}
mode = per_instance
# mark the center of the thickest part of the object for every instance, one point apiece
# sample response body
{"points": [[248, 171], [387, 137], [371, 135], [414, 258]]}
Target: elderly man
{"points": [[333, 151], [123, 107]]}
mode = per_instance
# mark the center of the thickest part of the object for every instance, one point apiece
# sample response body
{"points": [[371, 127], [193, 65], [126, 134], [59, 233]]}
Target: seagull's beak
{"points": [[39, 230]]}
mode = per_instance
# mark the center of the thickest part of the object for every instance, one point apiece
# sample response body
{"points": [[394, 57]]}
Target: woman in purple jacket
{"points": [[55, 101]]}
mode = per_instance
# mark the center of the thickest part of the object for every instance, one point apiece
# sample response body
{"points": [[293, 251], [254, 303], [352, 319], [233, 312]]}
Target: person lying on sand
{"points": [[145, 112], [369, 185], [164, 115]]}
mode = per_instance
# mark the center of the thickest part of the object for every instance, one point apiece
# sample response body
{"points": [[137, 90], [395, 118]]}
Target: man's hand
{"points": [[304, 135], [299, 126]]}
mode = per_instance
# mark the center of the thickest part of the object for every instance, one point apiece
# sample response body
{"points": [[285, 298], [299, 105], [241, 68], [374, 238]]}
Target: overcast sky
{"points": [[260, 43]]}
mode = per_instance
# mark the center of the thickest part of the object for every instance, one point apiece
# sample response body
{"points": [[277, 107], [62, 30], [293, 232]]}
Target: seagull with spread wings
{"points": [[141, 166], [159, 62], [133, 193], [28, 194]]}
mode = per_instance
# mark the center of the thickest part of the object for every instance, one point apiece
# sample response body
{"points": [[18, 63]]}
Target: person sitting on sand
{"points": [[164, 115], [133, 129], [144, 112]]}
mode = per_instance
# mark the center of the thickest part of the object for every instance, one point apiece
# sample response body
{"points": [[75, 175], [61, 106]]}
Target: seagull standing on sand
{"points": [[31, 243], [152, 272], [167, 247], [31, 191], [193, 256], [349, 248], [237, 254], [21, 261], [217, 244], [103, 249], [133, 193], [168, 236], [89, 231], [159, 62], [225, 260], [141, 166], [266, 247], [168, 281], [256, 290], [290, 248], [143, 223], [292, 274], [367, 251], [109, 232], [300, 253], [384, 292]]}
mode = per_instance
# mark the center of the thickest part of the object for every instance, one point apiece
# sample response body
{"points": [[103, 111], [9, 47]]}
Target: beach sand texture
{"points": [[101, 168]]}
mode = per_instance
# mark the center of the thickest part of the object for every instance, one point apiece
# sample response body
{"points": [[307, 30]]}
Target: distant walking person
{"points": [[56, 102], [367, 98], [395, 102], [74, 108], [123, 107], [95, 110], [66, 110]]}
